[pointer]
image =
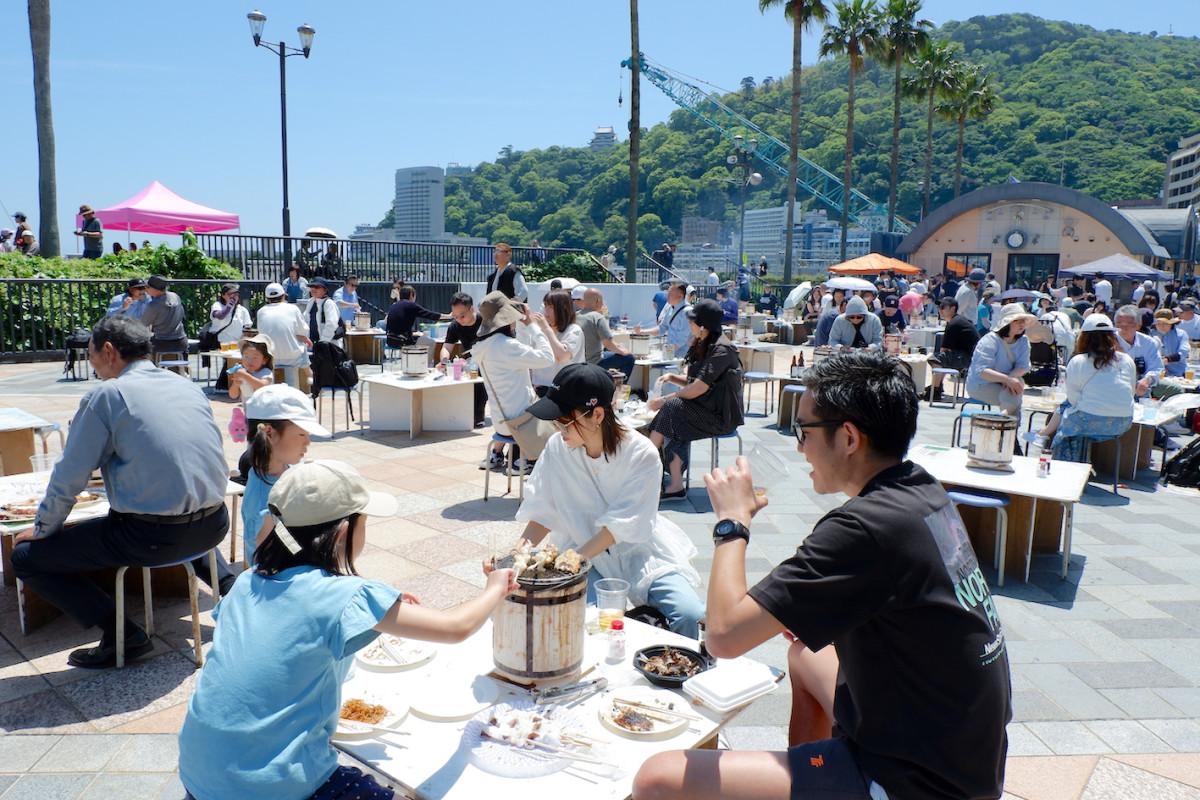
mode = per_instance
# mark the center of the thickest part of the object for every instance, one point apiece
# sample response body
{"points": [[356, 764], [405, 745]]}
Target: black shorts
{"points": [[951, 359], [827, 770]]}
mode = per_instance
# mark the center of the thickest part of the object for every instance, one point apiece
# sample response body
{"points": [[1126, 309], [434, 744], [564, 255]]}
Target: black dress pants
{"points": [[53, 566]]}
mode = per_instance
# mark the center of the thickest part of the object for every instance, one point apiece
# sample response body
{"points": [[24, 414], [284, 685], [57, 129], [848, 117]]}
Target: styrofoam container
{"points": [[731, 684]]}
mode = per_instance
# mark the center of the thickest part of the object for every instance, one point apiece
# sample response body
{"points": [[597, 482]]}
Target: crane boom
{"points": [[811, 177]]}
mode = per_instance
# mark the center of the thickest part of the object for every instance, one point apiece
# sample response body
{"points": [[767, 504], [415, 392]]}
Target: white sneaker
{"points": [[522, 467]]}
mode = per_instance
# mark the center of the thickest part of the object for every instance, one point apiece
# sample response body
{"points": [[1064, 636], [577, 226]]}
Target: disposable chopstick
{"points": [[657, 709], [559, 751]]}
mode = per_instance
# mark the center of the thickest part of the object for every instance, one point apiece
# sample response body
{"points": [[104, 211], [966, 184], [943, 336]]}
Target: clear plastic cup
{"points": [[612, 595], [44, 462], [767, 469]]}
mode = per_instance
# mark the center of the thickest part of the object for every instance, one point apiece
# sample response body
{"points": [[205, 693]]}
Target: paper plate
{"points": [[662, 728], [348, 730], [510, 761], [450, 696], [391, 654]]}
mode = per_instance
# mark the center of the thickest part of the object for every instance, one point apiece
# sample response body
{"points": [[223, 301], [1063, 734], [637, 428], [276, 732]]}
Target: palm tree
{"points": [[802, 13], [635, 140], [854, 34], [903, 35], [972, 98], [39, 42], [934, 77]]}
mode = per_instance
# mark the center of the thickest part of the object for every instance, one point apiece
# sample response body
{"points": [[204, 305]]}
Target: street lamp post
{"points": [[739, 160], [257, 21]]}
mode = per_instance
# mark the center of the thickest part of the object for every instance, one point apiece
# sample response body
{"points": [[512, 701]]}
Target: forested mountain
{"points": [[1099, 109]]}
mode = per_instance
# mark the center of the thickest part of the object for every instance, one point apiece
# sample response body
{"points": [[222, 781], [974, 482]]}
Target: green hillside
{"points": [[1101, 109]]}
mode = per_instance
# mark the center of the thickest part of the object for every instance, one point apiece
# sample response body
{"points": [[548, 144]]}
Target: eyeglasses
{"points": [[800, 429], [855, 317], [562, 423]]}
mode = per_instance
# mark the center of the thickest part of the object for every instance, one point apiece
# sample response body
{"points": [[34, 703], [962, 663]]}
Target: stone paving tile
{"points": [[127, 787], [1181, 734], [1022, 742], [1181, 767], [1068, 738], [1048, 778], [146, 753], [756, 737], [440, 550], [1056, 651], [20, 753], [469, 571], [1187, 701], [44, 712], [115, 697], [1145, 703], [1127, 736], [1112, 780], [1031, 704], [438, 590], [1107, 675], [80, 754], [1151, 629], [1179, 655], [7, 781], [1187, 613], [48, 787]]}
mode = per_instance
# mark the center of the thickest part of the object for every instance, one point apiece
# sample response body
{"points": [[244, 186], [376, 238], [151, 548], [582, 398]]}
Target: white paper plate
{"points": [[450, 696], [348, 730], [391, 653], [509, 761], [651, 697]]}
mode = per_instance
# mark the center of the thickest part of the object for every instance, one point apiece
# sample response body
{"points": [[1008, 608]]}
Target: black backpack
{"points": [[1183, 469], [76, 340], [333, 368]]}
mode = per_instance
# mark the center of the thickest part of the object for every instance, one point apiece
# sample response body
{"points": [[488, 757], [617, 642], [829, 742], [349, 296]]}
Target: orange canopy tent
{"points": [[955, 266], [873, 264]]}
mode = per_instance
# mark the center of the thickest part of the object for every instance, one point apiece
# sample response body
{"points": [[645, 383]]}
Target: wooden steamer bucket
{"points": [[992, 441], [538, 631]]}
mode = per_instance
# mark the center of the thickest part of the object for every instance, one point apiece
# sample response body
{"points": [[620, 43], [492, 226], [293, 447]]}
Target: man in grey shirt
{"points": [[163, 315], [597, 336], [152, 435]]}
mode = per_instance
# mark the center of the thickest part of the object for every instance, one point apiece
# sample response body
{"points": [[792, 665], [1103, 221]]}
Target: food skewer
{"points": [[562, 752], [656, 709]]}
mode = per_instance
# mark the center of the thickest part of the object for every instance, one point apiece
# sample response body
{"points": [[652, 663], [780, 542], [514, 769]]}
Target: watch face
{"points": [[725, 527], [1016, 239]]}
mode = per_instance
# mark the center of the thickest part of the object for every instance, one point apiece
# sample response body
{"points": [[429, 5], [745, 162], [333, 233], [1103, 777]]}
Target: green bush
{"points": [[188, 261], [566, 265]]}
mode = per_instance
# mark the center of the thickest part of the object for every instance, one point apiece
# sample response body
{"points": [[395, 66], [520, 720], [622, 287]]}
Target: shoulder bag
{"points": [[530, 433]]}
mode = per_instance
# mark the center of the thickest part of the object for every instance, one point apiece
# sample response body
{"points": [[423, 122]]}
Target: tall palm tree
{"points": [[635, 141], [802, 13], [39, 41], [973, 97], [933, 77], [854, 34], [903, 35]]}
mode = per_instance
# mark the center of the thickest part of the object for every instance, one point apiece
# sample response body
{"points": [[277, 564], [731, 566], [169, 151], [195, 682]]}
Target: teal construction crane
{"points": [[810, 178]]}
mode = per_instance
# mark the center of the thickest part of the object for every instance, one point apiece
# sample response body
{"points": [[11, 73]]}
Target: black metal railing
{"points": [[267, 258], [38, 314]]}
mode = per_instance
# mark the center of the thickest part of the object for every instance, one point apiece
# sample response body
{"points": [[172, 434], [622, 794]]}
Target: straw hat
{"points": [[497, 312], [1167, 316], [1011, 313], [85, 209]]}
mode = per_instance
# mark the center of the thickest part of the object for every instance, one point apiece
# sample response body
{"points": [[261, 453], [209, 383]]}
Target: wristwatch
{"points": [[728, 529]]}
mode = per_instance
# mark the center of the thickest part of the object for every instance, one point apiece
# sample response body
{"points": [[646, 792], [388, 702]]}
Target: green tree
{"points": [[747, 86], [853, 34], [903, 35], [934, 72], [802, 13], [971, 98], [39, 43]]}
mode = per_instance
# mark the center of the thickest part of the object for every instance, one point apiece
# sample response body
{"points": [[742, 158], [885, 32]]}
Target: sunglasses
{"points": [[564, 422], [855, 317], [800, 429]]}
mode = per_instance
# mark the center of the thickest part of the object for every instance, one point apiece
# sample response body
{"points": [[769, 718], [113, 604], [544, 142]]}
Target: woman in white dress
{"points": [[504, 361], [596, 490]]}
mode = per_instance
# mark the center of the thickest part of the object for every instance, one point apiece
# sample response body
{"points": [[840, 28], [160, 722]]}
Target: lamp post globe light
{"points": [[257, 21], [740, 161]]}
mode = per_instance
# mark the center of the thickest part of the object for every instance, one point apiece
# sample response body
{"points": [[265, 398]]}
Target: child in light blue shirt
{"points": [[267, 701]]}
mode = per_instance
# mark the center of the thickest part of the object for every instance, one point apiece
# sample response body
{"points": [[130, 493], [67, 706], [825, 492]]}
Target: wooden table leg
{"points": [[15, 449], [6, 548]]}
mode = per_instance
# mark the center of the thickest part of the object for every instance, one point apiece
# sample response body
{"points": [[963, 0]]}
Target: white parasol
{"points": [[798, 295], [850, 284]]}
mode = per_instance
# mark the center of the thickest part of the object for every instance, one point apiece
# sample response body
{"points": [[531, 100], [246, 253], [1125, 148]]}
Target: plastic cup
{"points": [[767, 469], [612, 595], [44, 462]]}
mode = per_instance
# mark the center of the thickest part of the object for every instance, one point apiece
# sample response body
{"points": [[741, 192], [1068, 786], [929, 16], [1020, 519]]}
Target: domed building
{"points": [[1023, 232]]}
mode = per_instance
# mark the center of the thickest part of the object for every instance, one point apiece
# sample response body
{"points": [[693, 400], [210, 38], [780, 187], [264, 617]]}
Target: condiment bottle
{"points": [[616, 641], [701, 639]]}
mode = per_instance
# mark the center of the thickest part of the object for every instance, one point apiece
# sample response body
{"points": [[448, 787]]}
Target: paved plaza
{"points": [[1105, 665]]}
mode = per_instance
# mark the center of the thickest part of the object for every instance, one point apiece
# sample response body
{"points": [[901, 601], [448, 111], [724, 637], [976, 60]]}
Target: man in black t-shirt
{"points": [[402, 318], [958, 345], [912, 699], [463, 332]]}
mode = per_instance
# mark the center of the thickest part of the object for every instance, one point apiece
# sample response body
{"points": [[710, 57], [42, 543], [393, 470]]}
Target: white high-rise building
{"points": [[816, 242], [420, 204], [1182, 186]]}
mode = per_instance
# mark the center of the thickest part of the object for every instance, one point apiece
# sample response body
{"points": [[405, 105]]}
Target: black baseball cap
{"points": [[136, 283], [891, 301], [575, 386], [706, 313], [319, 282]]}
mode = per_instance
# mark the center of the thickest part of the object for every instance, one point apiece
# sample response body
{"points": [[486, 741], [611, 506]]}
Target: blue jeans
{"points": [[617, 361], [672, 595]]}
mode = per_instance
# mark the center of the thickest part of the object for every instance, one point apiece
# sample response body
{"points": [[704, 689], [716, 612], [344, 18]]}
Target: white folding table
{"points": [[398, 403]]}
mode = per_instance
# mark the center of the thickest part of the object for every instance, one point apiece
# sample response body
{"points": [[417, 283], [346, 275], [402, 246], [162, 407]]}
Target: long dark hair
{"points": [[698, 350], [508, 330], [318, 548], [564, 309], [1100, 345], [260, 445]]}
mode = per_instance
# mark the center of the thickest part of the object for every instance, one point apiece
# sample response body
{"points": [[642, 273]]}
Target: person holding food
{"points": [[596, 491], [280, 421], [269, 697], [257, 369], [710, 402], [152, 435]]}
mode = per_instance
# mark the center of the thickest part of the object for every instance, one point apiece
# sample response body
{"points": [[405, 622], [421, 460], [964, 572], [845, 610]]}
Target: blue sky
{"points": [[175, 91]]}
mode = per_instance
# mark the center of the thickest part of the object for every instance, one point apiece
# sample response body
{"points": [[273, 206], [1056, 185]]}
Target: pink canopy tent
{"points": [[156, 209]]}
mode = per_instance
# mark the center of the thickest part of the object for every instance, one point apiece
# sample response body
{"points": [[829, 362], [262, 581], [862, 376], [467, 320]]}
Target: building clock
{"points": [[1015, 239]]}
